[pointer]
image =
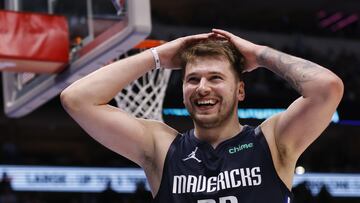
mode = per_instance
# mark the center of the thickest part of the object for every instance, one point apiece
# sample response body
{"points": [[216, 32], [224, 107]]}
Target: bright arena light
{"points": [[299, 170]]}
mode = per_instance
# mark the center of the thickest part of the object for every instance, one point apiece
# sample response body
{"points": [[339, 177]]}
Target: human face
{"points": [[211, 91]]}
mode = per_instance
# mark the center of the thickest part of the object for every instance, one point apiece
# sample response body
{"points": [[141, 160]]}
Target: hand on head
{"points": [[249, 50], [168, 51]]}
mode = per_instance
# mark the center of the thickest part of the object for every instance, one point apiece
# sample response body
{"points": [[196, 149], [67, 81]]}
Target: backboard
{"points": [[99, 33]]}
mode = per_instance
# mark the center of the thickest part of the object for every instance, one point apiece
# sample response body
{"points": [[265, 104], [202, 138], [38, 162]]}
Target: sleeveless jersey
{"points": [[238, 170]]}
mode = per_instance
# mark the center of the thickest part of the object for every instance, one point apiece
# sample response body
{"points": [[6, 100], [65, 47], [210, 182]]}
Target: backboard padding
{"points": [[116, 40]]}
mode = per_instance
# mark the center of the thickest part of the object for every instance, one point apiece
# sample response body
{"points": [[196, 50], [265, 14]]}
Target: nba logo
{"points": [[119, 6]]}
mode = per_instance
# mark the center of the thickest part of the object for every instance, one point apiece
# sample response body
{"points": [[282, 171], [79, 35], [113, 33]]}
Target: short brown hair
{"points": [[213, 47]]}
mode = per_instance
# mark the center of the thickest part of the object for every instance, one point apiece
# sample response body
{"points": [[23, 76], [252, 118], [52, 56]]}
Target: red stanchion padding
{"points": [[32, 42]]}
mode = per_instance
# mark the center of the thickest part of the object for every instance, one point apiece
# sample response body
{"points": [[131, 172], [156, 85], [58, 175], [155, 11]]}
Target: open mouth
{"points": [[205, 103]]}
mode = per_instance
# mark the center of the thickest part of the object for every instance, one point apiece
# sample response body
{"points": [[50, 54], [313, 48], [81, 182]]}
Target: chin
{"points": [[206, 121]]}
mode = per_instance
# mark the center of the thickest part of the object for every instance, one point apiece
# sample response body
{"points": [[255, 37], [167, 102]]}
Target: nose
{"points": [[203, 88]]}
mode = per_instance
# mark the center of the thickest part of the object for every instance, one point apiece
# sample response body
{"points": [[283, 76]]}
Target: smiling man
{"points": [[220, 160]]}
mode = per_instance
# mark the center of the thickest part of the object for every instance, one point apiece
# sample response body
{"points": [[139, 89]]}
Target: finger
{"points": [[196, 38], [223, 33], [199, 36], [218, 36]]}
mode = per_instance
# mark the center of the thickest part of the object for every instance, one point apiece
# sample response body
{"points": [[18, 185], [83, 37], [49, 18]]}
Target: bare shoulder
{"points": [[283, 166], [162, 142], [163, 135], [160, 131], [267, 128]]}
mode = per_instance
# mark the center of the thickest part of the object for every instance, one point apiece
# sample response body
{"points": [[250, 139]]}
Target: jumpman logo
{"points": [[192, 155]]}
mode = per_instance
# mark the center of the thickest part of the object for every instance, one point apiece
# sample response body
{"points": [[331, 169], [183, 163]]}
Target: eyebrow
{"points": [[208, 73]]}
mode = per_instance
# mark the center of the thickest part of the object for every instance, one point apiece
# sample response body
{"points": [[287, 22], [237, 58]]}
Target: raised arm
{"points": [[87, 102], [306, 118]]}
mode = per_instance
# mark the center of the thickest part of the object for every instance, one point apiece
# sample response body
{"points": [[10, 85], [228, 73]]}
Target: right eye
{"points": [[192, 79]]}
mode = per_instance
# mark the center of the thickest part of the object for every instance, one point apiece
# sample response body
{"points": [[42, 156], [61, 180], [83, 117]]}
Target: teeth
{"points": [[205, 102]]}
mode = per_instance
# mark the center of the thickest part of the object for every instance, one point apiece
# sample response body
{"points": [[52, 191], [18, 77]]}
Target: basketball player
{"points": [[220, 160]]}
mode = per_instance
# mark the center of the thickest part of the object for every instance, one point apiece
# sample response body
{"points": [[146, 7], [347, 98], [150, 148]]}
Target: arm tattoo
{"points": [[295, 70]]}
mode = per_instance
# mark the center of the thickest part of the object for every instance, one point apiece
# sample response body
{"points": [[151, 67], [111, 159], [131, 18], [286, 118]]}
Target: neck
{"points": [[218, 134]]}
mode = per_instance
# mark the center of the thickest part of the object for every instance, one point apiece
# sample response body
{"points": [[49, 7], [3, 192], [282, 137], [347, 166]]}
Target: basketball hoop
{"points": [[144, 97]]}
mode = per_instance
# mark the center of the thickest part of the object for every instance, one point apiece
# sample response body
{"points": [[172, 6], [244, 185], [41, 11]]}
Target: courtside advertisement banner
{"points": [[73, 179], [124, 180]]}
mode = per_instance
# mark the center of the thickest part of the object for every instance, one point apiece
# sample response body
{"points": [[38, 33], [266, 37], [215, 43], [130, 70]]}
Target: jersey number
{"points": [[228, 199]]}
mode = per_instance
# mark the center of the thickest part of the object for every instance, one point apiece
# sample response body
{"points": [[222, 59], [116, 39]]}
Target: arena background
{"points": [[324, 31]]}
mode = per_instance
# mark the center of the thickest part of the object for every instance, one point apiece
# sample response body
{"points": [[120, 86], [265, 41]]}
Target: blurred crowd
{"points": [[344, 63], [8, 195]]}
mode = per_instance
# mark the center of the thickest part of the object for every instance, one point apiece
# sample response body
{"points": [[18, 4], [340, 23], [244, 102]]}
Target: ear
{"points": [[241, 91]]}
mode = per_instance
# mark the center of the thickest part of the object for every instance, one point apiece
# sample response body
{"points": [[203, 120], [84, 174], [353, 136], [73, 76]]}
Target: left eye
{"points": [[215, 78]]}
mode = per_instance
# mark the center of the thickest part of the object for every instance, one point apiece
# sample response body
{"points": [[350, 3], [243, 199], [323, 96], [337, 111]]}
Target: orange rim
{"points": [[148, 43]]}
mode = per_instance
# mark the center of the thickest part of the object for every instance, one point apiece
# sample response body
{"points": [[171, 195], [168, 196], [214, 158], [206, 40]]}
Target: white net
{"points": [[144, 97]]}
